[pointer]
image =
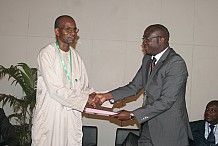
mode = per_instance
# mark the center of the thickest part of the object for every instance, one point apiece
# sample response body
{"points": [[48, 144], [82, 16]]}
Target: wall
{"points": [[110, 43]]}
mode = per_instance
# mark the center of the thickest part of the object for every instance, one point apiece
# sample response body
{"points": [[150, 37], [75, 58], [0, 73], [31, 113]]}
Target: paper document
{"points": [[107, 104], [99, 112]]}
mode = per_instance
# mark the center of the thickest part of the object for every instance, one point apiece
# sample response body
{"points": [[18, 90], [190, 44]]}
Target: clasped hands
{"points": [[95, 100]]}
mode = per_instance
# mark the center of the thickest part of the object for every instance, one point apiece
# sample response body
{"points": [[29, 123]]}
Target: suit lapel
{"points": [[146, 68], [202, 128], [158, 65]]}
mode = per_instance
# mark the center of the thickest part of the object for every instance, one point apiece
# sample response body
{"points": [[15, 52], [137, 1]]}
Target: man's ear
{"points": [[56, 31], [161, 40]]}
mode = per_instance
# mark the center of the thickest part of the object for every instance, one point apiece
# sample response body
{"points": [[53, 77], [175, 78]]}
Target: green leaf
{"points": [[23, 107]]}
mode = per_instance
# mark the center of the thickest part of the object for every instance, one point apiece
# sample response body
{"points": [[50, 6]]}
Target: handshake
{"points": [[95, 100]]}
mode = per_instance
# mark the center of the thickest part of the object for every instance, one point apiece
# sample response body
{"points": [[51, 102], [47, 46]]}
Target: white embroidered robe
{"points": [[57, 118]]}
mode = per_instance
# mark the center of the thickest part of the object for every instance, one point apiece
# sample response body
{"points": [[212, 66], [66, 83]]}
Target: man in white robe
{"points": [[62, 90]]}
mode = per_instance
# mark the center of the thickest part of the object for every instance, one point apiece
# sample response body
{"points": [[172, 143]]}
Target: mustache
{"points": [[71, 38]]}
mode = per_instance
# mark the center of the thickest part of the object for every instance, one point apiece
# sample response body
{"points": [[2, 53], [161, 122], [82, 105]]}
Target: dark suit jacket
{"points": [[198, 130], [165, 106], [7, 131]]}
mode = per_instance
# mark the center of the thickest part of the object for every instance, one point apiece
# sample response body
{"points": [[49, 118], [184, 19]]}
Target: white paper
{"points": [[107, 104]]}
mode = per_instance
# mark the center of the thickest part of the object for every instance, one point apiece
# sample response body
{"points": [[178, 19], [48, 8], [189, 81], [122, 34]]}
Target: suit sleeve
{"points": [[131, 89], [167, 88]]}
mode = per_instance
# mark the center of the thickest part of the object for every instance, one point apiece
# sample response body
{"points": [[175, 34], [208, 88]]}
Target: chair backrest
{"points": [[121, 134], [90, 136]]}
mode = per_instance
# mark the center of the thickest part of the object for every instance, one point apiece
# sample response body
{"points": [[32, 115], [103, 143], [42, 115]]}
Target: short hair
{"points": [[215, 102], [160, 28], [58, 20]]}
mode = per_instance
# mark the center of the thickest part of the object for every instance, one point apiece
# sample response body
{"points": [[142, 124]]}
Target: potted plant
{"points": [[23, 106]]}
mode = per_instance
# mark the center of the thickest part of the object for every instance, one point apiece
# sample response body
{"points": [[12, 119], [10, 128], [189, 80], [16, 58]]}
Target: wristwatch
{"points": [[131, 116], [111, 101]]}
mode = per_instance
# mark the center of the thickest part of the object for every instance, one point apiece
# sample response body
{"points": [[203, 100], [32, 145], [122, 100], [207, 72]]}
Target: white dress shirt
{"points": [[207, 131]]}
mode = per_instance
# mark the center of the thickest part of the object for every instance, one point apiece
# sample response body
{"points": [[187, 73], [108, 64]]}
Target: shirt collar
{"points": [[159, 54], [208, 124]]}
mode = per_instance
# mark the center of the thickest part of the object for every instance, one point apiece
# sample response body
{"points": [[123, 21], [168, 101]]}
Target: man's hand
{"points": [[103, 97], [122, 115], [93, 102], [97, 99]]}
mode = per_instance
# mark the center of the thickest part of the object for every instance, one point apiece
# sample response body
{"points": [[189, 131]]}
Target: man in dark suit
{"points": [[201, 128], [7, 131], [163, 115]]}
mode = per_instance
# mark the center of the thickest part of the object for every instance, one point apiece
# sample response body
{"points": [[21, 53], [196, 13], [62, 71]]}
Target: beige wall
{"points": [[110, 39]]}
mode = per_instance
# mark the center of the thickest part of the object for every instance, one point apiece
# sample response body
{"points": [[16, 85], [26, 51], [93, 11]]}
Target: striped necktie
{"points": [[153, 64]]}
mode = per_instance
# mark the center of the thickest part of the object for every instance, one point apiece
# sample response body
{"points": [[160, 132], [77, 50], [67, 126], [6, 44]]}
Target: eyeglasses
{"points": [[70, 29], [150, 38]]}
